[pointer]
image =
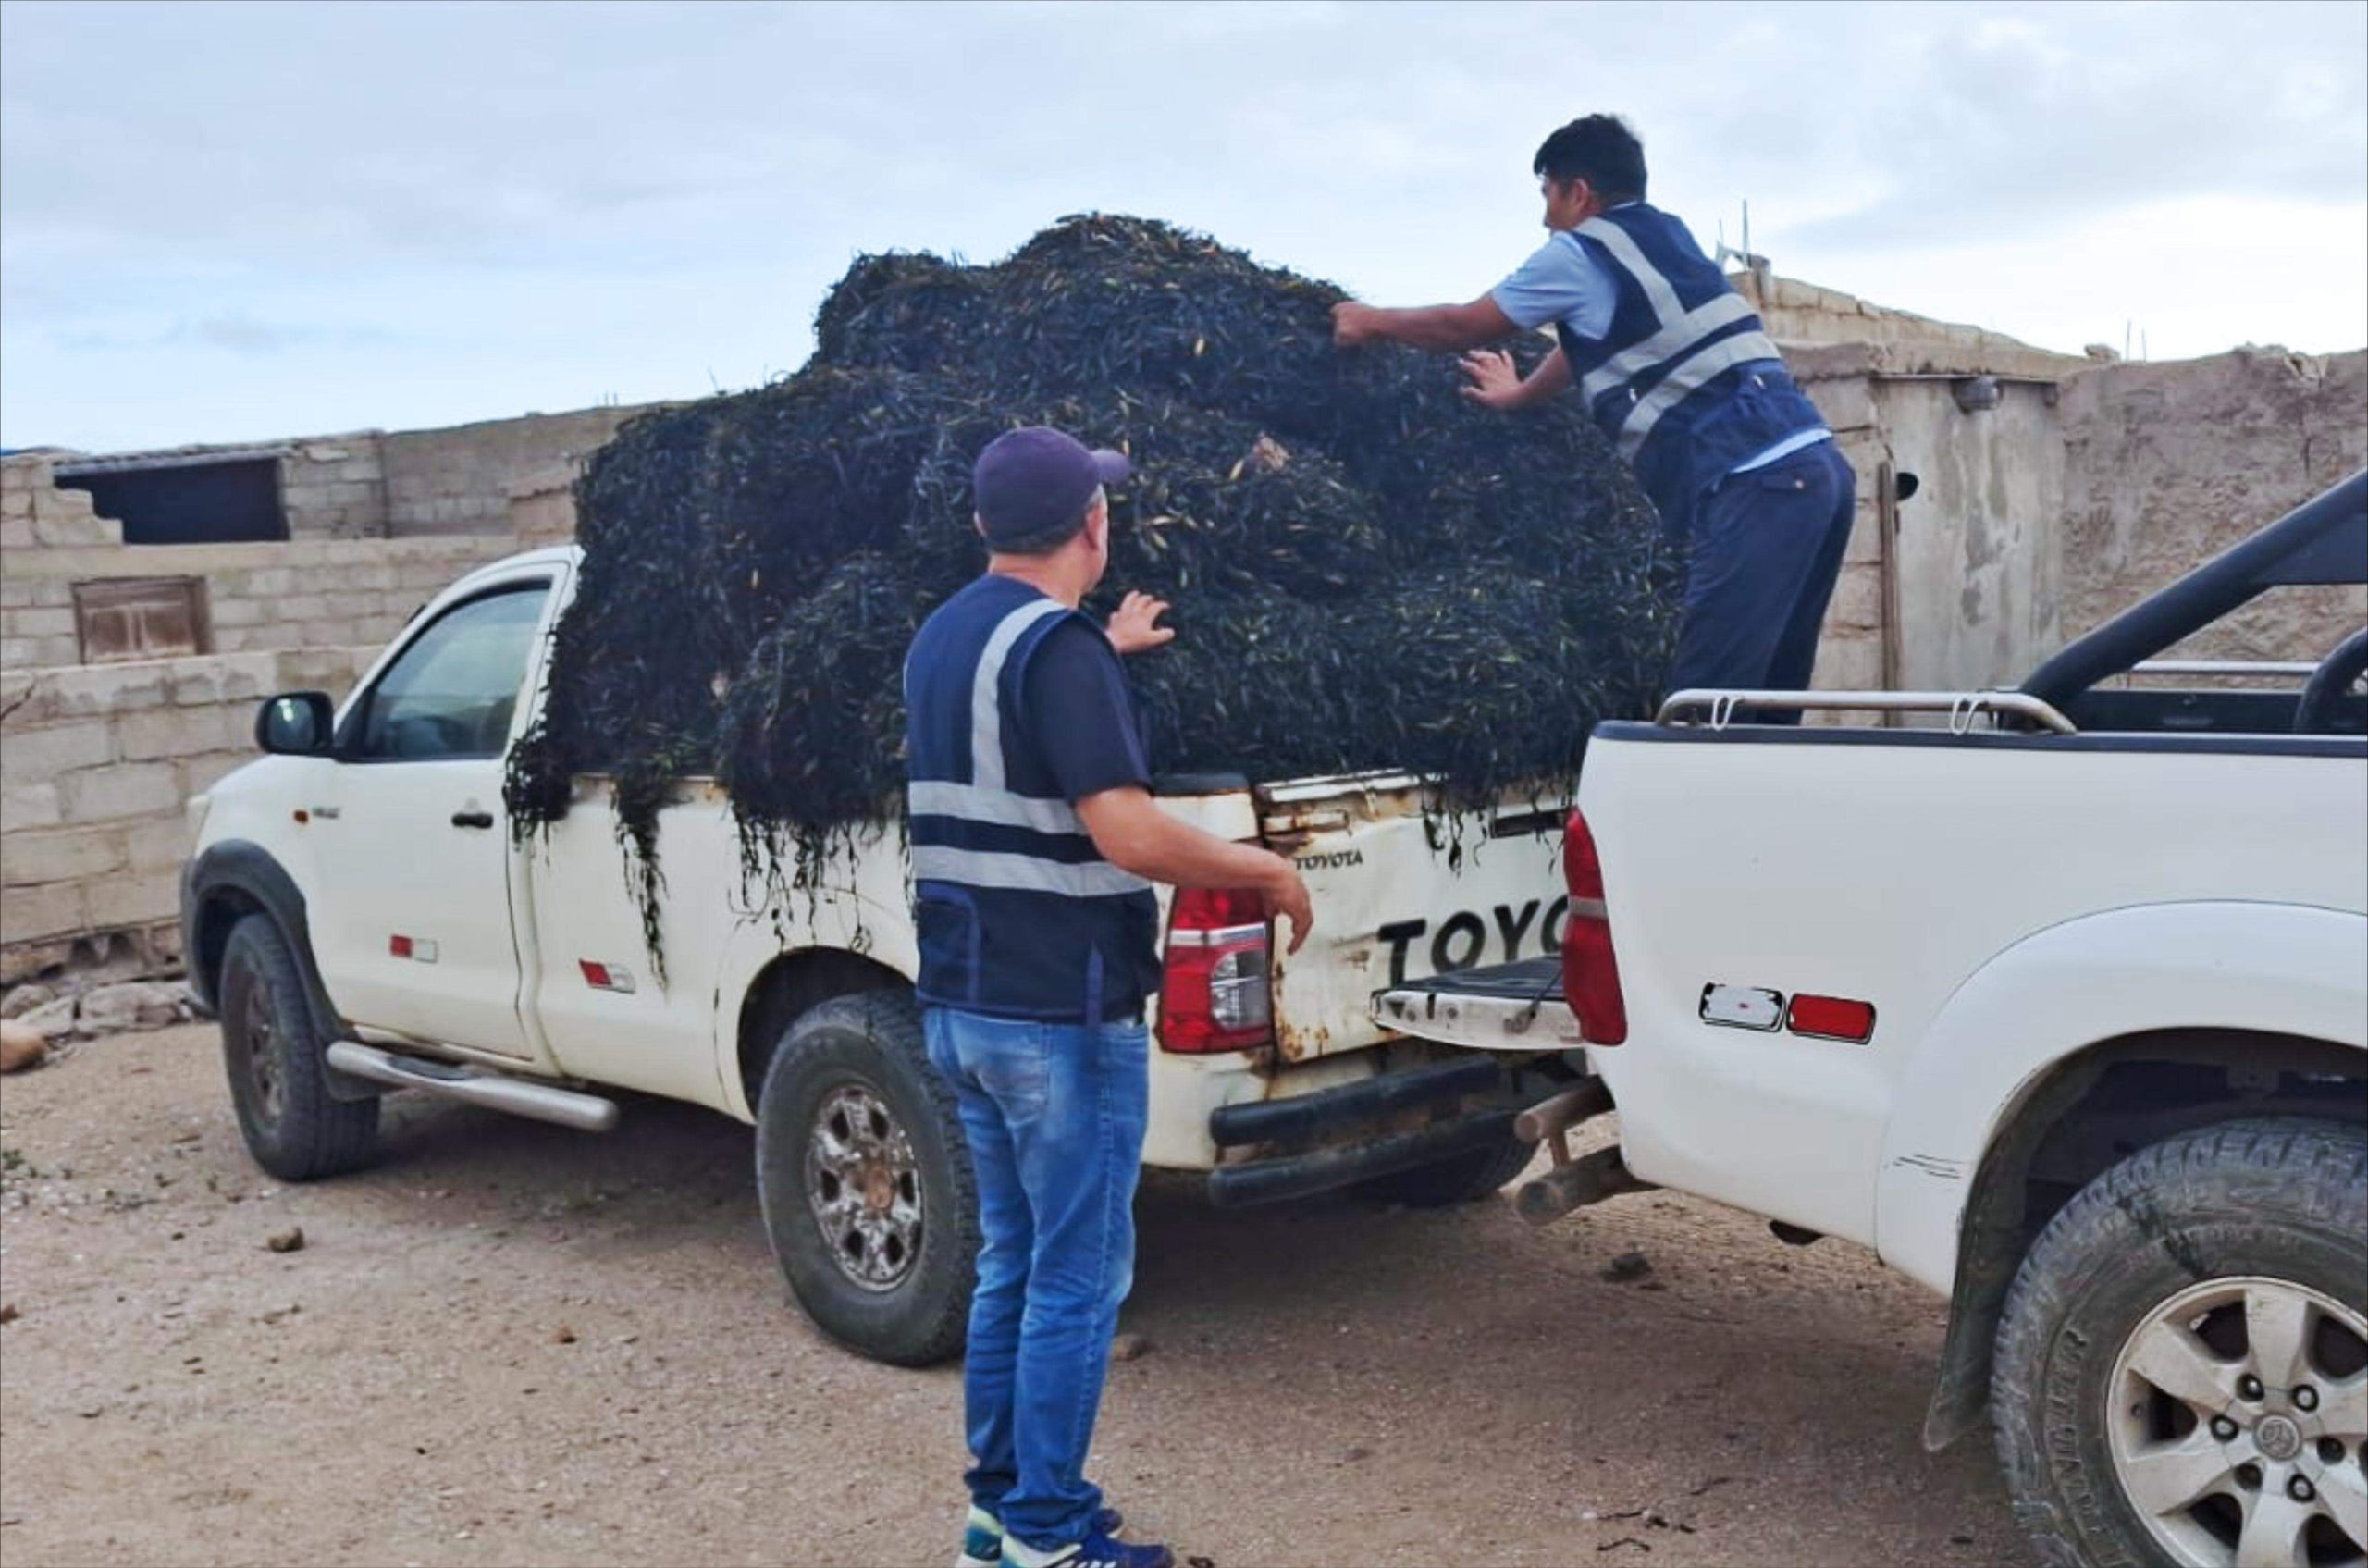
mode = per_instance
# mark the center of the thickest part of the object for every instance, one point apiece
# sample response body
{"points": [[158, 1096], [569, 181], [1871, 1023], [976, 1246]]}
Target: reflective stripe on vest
{"points": [[1022, 873], [1694, 326], [1689, 375], [986, 704], [1662, 370], [985, 801], [938, 798]]}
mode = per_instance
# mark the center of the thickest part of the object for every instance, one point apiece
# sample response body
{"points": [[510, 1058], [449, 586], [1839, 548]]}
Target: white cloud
{"points": [[246, 220]]}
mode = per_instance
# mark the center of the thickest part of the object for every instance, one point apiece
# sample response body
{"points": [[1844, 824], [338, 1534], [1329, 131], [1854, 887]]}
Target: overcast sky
{"points": [[222, 222]]}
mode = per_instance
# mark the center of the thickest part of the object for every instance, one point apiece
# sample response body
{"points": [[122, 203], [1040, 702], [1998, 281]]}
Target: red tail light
{"points": [[1214, 995], [1590, 972]]}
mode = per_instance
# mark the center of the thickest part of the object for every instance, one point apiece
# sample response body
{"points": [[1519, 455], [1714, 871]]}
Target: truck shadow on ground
{"points": [[1747, 1356]]}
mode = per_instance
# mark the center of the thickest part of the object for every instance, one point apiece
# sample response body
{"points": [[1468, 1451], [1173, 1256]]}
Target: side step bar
{"points": [[539, 1102]]}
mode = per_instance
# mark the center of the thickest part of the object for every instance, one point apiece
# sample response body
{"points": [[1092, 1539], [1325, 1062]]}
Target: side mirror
{"points": [[296, 723]]}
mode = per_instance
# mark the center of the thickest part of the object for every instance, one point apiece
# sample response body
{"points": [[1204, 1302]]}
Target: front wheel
{"points": [[2182, 1370], [276, 1062], [865, 1183]]}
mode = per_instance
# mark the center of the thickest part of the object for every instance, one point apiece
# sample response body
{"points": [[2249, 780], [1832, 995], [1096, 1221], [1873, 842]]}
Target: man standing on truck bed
{"points": [[1034, 843], [1676, 370]]}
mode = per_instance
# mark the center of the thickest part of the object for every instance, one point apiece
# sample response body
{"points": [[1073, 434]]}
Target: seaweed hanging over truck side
{"points": [[1368, 570]]}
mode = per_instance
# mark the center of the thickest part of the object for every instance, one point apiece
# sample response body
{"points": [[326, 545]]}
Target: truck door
{"points": [[412, 919]]}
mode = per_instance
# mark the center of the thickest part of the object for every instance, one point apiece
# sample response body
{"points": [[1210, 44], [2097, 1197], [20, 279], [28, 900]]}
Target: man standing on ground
{"points": [[1676, 370], [1035, 844]]}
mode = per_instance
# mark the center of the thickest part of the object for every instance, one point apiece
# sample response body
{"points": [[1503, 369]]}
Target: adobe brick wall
{"points": [[2170, 462], [96, 764]]}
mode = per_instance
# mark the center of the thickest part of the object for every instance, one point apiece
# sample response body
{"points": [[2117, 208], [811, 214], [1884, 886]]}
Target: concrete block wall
{"points": [[36, 514], [542, 506], [304, 593], [462, 479], [96, 764], [1794, 312], [1850, 651], [334, 488]]}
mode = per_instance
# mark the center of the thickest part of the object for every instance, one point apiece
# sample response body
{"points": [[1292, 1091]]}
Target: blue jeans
{"points": [[1055, 1116], [1767, 546]]}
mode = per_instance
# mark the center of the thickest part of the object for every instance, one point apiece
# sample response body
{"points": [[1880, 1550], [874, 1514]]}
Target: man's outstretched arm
{"points": [[1442, 328], [1134, 834]]}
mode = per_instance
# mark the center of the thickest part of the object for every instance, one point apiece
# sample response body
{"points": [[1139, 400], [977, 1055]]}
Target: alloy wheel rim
{"points": [[864, 1187], [2239, 1409], [261, 1030]]}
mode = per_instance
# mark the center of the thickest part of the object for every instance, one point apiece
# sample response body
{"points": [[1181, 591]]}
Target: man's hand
{"points": [[1286, 893], [1135, 835], [1491, 380], [1134, 628], [1354, 325]]}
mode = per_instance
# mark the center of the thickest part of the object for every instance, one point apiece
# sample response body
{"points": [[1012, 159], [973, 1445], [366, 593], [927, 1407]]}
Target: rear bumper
{"points": [[1321, 1171], [1329, 1138]]}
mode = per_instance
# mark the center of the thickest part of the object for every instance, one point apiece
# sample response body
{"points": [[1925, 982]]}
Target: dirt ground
{"points": [[514, 1344]]}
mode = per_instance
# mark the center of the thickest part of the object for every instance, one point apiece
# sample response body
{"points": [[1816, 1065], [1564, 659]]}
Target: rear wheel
{"points": [[274, 1059], [2182, 1370], [1459, 1180], [866, 1181]]}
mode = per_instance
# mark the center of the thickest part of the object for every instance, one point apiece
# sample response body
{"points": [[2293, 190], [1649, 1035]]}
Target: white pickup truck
{"points": [[2060, 1005], [361, 916]]}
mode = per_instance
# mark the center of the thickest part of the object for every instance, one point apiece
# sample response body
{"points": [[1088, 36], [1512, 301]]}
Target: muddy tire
{"points": [[1461, 1180], [2178, 1368], [279, 1076], [866, 1181]]}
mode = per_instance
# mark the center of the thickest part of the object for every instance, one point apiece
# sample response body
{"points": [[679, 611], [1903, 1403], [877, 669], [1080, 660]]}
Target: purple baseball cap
{"points": [[1033, 481]]}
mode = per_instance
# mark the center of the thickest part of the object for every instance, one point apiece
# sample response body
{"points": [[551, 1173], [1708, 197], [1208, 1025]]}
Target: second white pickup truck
{"points": [[2061, 1006], [359, 913]]}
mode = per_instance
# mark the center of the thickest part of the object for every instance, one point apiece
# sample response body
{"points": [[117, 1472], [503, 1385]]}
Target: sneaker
{"points": [[1097, 1550], [982, 1535]]}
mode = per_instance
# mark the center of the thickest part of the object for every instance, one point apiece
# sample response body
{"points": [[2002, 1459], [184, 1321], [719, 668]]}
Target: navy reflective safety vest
{"points": [[1685, 382], [1019, 914]]}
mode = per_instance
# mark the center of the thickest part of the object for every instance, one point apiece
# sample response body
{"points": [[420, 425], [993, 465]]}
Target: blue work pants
{"points": [[1054, 1115], [1766, 549]]}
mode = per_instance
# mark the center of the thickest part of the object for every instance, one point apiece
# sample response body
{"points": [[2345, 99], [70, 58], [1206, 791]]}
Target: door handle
{"points": [[473, 818]]}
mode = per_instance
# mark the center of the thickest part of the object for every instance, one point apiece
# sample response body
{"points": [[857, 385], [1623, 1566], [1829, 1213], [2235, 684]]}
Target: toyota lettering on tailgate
{"points": [[1460, 941]]}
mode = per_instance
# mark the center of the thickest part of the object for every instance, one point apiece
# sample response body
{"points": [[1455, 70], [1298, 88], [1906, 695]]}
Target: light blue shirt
{"points": [[1562, 283]]}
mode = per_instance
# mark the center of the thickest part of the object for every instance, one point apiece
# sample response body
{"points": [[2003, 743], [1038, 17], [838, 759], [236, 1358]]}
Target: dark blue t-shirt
{"points": [[1081, 718]]}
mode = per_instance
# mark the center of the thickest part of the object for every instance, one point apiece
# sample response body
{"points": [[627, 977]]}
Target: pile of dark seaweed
{"points": [[1368, 570]]}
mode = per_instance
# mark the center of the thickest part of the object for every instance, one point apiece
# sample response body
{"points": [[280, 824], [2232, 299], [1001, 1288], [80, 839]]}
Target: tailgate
{"points": [[1515, 1007], [1397, 898]]}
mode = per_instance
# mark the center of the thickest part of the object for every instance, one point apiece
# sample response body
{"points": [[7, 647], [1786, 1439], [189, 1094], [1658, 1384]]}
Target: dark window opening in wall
{"points": [[124, 618], [187, 504]]}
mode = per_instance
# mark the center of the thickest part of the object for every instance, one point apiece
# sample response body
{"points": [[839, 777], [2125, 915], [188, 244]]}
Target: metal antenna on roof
{"points": [[1756, 265]]}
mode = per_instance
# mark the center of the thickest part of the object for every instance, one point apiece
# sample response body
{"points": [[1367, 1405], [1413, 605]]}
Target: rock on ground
{"points": [[21, 1045], [23, 999], [51, 1020], [119, 1009]]}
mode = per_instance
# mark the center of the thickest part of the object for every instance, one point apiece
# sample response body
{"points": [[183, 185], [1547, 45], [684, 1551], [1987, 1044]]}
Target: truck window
{"points": [[452, 691]]}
